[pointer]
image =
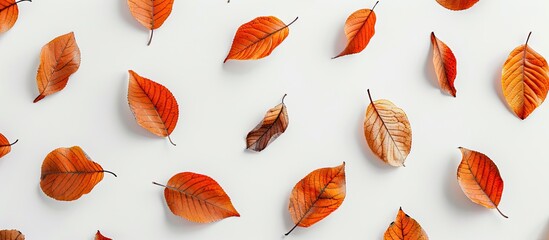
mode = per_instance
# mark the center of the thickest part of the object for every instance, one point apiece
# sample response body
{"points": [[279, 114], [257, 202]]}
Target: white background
{"points": [[220, 103]]}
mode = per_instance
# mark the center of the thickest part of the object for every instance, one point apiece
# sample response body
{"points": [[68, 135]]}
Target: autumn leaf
{"points": [[11, 235], [405, 228], [444, 62], [59, 59], [9, 13], [479, 178], [69, 173], [197, 198], [150, 13], [457, 5], [153, 106], [317, 195], [258, 38], [359, 29], [387, 131], [99, 236], [270, 128], [524, 80], [5, 145]]}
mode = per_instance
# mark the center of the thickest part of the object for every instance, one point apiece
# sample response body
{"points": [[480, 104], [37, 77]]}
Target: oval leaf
{"points": [[479, 179], [197, 198], [317, 195], [524, 80], [457, 5], [387, 131], [11, 235], [5, 145], [8, 14], [69, 173], [359, 29], [445, 65], [99, 236], [59, 59], [153, 106], [150, 13], [405, 228], [258, 38], [273, 125]]}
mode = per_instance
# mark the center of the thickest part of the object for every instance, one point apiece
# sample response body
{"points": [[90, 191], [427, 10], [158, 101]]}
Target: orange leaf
{"points": [[150, 13], [273, 125], [258, 38], [445, 65], [153, 106], [457, 5], [11, 235], [387, 131], [8, 14], [69, 173], [197, 198], [479, 179], [405, 228], [524, 80], [359, 29], [317, 195], [99, 236], [5, 146], [59, 59]]}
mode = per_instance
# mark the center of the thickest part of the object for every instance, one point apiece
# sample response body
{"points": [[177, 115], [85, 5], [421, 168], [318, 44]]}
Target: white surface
{"points": [[220, 103]]}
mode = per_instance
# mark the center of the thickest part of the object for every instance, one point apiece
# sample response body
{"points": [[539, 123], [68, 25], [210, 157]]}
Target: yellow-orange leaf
{"points": [[457, 5], [405, 228], [387, 131], [525, 80], [5, 145], [8, 14], [99, 236], [317, 195], [445, 65], [153, 105], [479, 179], [359, 29], [258, 38], [273, 125], [69, 173], [59, 59], [11, 235], [197, 198], [150, 13]]}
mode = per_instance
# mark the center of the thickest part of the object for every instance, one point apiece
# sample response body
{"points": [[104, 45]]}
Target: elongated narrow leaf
{"points": [[69, 173], [387, 131], [457, 5], [11, 235], [273, 125], [5, 145], [359, 29], [258, 38], [99, 236], [8, 14], [525, 80], [445, 65], [151, 13], [479, 179], [405, 228], [197, 198], [317, 195]]}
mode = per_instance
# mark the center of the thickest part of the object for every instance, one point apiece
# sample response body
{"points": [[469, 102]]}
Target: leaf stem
{"points": [[288, 233], [169, 138], [23, 1], [151, 37], [375, 5], [284, 97], [110, 173], [158, 184], [292, 21], [505, 216], [528, 39], [11, 144]]}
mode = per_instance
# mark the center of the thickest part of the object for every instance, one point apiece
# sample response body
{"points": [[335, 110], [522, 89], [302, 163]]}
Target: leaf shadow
{"points": [[177, 223], [499, 91], [366, 151], [339, 44], [52, 203], [453, 191], [124, 11], [126, 114], [429, 69], [545, 233], [32, 88], [241, 66], [287, 219]]}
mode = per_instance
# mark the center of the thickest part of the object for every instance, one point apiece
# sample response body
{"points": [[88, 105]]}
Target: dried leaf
{"points": [[11, 235], [197, 198], [258, 38], [69, 173], [59, 59], [359, 29], [479, 179], [457, 5], [445, 65], [99, 236], [273, 125], [387, 131], [9, 13], [405, 228], [317, 195], [5, 145], [524, 80], [150, 13], [153, 106]]}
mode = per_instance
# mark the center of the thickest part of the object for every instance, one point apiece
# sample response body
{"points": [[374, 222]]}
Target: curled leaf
{"points": [[359, 29], [59, 59], [150, 13], [153, 106], [258, 38], [197, 198], [69, 173], [457, 5], [9, 13], [479, 178], [387, 131], [525, 80], [273, 125], [11, 235], [99, 236], [445, 65], [317, 195], [5, 145]]}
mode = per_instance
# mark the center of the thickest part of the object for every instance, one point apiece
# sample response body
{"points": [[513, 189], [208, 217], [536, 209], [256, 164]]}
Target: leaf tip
{"points": [[40, 97]]}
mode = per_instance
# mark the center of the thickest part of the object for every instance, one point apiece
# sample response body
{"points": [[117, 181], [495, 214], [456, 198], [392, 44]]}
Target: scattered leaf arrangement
{"points": [[69, 173]]}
